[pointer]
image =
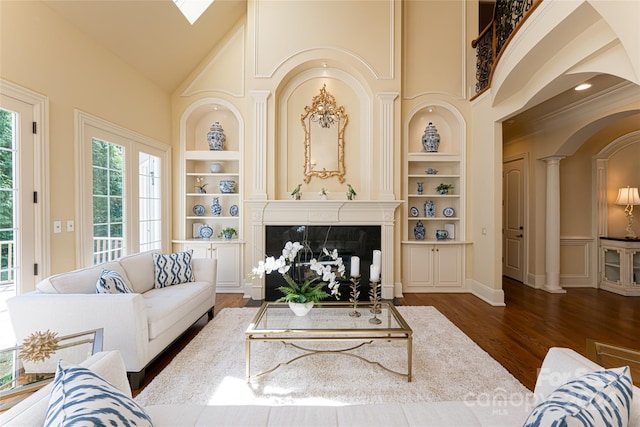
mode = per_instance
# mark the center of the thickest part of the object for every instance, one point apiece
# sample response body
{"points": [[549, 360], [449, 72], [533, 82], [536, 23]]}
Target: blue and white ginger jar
{"points": [[431, 139], [419, 231], [216, 137]]}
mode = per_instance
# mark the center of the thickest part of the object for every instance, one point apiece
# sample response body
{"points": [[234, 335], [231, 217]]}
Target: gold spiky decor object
{"points": [[39, 346]]}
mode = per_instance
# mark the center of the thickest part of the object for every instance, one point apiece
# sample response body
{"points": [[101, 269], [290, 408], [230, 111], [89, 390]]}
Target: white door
{"points": [[17, 204], [513, 209]]}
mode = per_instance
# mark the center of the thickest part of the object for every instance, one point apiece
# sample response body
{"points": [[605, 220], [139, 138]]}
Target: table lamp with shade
{"points": [[628, 197]]}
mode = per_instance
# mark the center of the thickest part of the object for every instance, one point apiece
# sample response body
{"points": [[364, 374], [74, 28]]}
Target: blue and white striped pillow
{"points": [[81, 397], [172, 269], [111, 282], [600, 398]]}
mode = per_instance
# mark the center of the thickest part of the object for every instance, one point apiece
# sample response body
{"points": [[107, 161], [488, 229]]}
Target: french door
{"points": [[21, 204], [124, 192]]}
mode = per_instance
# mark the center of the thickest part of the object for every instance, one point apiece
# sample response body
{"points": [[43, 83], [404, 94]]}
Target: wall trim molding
{"points": [[487, 294]]}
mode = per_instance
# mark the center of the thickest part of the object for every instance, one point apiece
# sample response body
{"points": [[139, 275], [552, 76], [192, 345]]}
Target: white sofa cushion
{"points": [[111, 282], [440, 414], [165, 307], [140, 270], [81, 397], [82, 281]]}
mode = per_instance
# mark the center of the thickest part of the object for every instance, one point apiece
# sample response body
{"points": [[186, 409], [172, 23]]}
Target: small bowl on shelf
{"points": [[431, 171], [215, 167], [227, 186]]}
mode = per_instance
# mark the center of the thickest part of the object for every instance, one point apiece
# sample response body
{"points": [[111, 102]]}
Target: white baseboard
{"points": [[489, 295], [398, 290], [536, 281]]}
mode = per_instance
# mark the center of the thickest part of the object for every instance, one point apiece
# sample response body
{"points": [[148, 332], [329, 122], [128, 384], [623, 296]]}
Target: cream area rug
{"points": [[447, 365]]}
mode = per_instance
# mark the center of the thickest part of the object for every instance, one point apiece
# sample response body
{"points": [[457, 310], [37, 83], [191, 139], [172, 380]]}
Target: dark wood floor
{"points": [[518, 335]]}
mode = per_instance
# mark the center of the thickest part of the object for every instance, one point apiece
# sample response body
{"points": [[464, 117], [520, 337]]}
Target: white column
{"points": [[552, 244], [386, 274], [387, 145], [260, 143], [257, 245]]}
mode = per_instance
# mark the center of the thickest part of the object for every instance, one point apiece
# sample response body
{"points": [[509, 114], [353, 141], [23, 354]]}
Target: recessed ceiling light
{"points": [[324, 64], [583, 86]]}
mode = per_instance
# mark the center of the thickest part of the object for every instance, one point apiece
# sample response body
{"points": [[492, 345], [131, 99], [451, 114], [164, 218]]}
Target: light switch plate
{"points": [[57, 226], [70, 225]]}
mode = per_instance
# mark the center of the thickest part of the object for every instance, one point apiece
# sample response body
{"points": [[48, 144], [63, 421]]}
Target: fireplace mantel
{"points": [[324, 212]]}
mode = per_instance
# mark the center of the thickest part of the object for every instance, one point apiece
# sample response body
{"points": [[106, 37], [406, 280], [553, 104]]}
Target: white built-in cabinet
{"points": [[620, 266], [195, 168], [432, 265]]}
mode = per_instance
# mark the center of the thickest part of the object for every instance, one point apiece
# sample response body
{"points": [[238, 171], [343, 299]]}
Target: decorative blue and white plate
{"points": [[233, 210], [414, 211], [206, 232], [448, 212], [198, 210]]}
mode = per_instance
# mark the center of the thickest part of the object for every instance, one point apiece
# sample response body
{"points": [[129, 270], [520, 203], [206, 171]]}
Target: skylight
{"points": [[192, 9]]}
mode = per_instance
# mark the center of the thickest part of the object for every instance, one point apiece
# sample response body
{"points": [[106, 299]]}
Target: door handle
{"points": [[520, 235]]}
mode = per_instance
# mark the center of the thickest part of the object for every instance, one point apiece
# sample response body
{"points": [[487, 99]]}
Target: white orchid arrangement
{"points": [[309, 290]]}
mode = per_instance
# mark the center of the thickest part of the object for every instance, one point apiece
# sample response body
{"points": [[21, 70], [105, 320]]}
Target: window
{"points": [[107, 167], [8, 124], [150, 202], [124, 209]]}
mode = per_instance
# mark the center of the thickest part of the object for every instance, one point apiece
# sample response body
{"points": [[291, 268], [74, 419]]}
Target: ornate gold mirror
{"points": [[324, 124]]}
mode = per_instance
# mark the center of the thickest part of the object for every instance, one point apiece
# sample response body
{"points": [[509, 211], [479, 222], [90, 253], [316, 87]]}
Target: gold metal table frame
{"points": [[328, 322], [19, 377]]}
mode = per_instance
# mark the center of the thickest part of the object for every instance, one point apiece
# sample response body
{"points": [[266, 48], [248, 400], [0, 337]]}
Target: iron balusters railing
{"points": [[508, 15]]}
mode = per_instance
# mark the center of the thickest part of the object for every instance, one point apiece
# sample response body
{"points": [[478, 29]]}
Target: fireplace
{"points": [[326, 215], [349, 240]]}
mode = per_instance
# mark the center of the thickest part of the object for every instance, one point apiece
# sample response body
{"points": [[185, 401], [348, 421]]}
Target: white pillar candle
{"points": [[377, 259], [374, 272], [355, 266]]}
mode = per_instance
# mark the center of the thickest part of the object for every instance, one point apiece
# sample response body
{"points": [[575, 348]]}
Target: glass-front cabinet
{"points": [[211, 188], [620, 265]]}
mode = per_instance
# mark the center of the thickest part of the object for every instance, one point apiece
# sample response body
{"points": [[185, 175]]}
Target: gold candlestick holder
{"points": [[374, 297], [355, 294]]}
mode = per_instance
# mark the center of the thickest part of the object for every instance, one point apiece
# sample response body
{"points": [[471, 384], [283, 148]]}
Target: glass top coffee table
{"points": [[329, 322], [19, 377]]}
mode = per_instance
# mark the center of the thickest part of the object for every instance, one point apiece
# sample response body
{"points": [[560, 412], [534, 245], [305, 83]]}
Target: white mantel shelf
{"points": [[324, 212]]}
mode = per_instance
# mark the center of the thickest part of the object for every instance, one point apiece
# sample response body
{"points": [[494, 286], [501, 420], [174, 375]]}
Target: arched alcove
{"points": [[615, 167], [297, 92]]}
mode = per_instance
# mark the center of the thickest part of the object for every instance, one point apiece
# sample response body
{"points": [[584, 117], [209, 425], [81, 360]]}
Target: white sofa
{"points": [[560, 365], [140, 324]]}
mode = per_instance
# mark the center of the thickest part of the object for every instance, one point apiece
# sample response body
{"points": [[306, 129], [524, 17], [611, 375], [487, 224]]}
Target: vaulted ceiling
{"points": [[155, 39], [152, 36]]}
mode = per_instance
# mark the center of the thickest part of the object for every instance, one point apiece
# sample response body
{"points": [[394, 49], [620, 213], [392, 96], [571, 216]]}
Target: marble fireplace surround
{"points": [[324, 212]]}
